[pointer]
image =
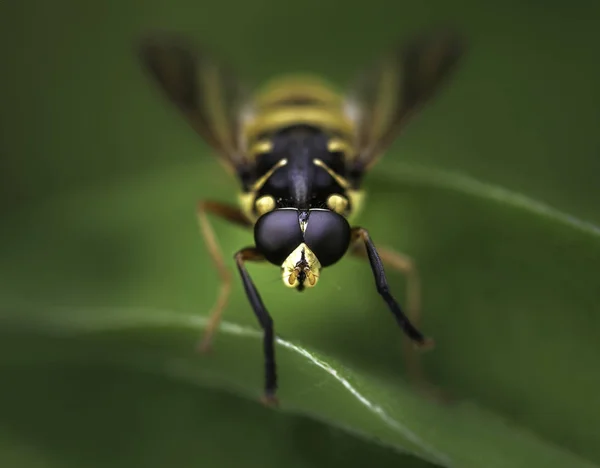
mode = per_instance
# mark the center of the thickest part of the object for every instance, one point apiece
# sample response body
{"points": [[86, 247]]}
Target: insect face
{"points": [[300, 150], [302, 242]]}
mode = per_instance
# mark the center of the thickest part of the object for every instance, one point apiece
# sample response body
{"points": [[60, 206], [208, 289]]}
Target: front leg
{"points": [[405, 265], [365, 248], [265, 320], [383, 289]]}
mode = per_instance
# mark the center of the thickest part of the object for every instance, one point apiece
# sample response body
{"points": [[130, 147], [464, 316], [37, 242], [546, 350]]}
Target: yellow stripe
{"points": [[299, 100], [277, 119], [288, 87]]}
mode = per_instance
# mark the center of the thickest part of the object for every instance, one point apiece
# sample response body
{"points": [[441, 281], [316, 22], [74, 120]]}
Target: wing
{"points": [[207, 92], [385, 96]]}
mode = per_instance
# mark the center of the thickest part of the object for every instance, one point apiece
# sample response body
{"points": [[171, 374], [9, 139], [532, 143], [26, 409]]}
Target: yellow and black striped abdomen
{"points": [[296, 100]]}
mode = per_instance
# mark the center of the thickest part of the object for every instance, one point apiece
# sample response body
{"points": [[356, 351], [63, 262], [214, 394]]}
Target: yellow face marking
{"points": [[292, 279], [337, 203], [264, 204], [303, 223], [301, 261]]}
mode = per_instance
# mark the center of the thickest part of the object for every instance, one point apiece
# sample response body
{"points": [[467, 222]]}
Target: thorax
{"points": [[300, 171]]}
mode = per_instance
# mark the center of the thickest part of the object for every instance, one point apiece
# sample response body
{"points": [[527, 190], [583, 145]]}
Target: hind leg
{"points": [[235, 216]]}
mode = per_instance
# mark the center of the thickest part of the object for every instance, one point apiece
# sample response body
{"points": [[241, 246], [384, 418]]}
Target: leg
{"points": [[383, 289], [234, 215], [406, 266], [265, 320]]}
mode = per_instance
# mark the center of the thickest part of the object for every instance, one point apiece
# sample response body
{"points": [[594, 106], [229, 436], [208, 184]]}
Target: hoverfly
{"points": [[300, 151]]}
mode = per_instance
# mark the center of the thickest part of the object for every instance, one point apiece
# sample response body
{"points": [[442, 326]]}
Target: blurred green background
{"points": [[103, 274]]}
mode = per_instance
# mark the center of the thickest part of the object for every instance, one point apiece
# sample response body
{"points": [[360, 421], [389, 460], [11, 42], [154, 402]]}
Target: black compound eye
{"points": [[277, 234], [328, 235]]}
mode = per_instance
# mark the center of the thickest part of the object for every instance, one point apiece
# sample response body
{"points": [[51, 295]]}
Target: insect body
{"points": [[300, 150]]}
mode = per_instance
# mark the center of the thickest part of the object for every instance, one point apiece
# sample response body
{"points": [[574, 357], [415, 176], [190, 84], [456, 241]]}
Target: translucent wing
{"points": [[208, 93], [386, 95]]}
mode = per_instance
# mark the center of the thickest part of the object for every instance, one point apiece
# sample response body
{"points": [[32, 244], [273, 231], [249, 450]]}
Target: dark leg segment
{"points": [[233, 215], [382, 287], [265, 320], [404, 264]]}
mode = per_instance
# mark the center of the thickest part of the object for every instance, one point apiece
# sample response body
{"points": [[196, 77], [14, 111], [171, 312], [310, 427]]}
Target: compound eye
{"points": [[328, 235], [277, 234]]}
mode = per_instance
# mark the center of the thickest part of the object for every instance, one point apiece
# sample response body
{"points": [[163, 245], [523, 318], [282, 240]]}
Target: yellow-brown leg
{"points": [[233, 215], [405, 265]]}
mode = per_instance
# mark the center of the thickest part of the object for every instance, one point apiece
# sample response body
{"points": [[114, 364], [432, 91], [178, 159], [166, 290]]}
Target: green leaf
{"points": [[103, 290], [122, 283], [116, 398]]}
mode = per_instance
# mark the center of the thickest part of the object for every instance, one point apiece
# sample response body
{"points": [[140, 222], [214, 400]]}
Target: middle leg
{"points": [[233, 215]]}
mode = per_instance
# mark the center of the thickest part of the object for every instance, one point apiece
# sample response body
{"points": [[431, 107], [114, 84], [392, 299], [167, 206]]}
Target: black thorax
{"points": [[300, 183]]}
